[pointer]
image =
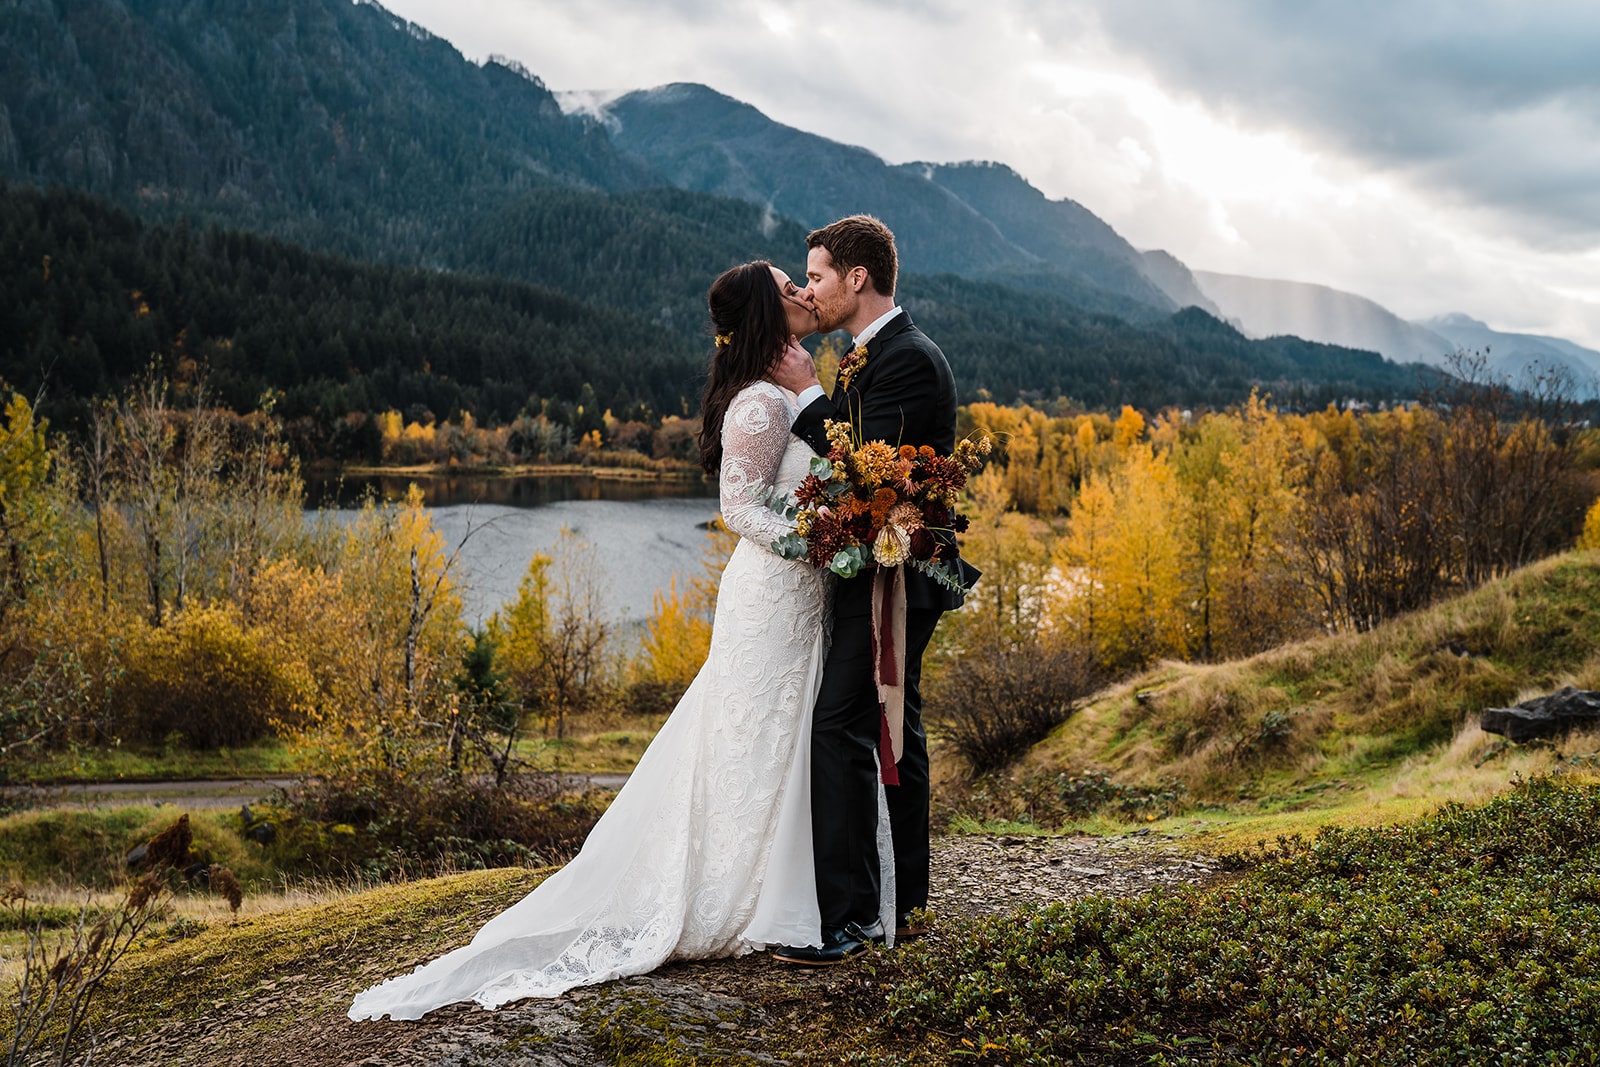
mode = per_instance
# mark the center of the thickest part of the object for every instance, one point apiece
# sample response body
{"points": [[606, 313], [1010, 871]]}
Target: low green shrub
{"points": [[1465, 938]]}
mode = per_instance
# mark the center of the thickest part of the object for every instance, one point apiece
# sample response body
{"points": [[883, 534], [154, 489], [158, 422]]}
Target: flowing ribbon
{"points": [[889, 666]]}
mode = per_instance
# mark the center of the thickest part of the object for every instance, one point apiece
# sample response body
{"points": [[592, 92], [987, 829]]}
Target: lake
{"points": [[644, 532]]}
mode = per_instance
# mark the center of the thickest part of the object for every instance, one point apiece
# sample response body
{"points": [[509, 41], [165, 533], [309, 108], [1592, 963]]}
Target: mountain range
{"points": [[349, 132], [1262, 307]]}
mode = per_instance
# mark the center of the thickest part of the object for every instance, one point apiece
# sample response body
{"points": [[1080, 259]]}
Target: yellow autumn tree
{"points": [[1237, 508], [24, 466], [1202, 483], [1022, 473], [676, 639], [1081, 562], [555, 637], [1590, 538], [1145, 594], [1128, 430], [1009, 602], [1261, 602], [827, 357], [1127, 591], [398, 632]]}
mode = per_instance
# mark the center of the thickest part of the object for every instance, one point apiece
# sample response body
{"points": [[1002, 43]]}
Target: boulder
{"points": [[1554, 715]]}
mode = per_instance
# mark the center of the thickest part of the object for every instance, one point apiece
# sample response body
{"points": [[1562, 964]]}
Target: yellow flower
{"points": [[878, 463], [838, 431]]}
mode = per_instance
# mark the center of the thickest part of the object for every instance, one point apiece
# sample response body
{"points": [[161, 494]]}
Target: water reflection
{"points": [[644, 533], [530, 491]]}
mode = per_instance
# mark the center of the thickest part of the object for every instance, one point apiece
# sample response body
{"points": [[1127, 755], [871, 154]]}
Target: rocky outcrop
{"points": [[1555, 715]]}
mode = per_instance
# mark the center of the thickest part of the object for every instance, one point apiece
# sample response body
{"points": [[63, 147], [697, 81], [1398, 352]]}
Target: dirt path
{"points": [[735, 1011]]}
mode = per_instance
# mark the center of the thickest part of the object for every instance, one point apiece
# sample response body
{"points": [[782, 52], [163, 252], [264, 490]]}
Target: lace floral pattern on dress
{"points": [[707, 849]]}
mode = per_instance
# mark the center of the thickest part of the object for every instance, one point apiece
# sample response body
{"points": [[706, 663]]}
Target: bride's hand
{"points": [[794, 370]]}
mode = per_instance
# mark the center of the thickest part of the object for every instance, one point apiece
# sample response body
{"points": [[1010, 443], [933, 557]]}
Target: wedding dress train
{"points": [[706, 851]]}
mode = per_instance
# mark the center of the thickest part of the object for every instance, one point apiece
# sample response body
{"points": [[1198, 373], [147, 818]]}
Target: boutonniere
{"points": [[851, 364]]}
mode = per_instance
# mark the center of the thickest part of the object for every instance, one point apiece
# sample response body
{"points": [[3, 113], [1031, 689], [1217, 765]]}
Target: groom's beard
{"points": [[828, 321]]}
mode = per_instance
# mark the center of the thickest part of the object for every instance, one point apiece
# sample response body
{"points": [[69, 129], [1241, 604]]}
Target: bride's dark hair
{"points": [[747, 317]]}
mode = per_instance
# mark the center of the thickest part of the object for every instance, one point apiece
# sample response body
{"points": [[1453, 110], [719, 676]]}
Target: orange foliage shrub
{"points": [[203, 676]]}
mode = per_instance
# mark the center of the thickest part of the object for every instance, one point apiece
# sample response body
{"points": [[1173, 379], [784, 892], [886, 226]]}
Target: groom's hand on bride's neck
{"points": [[794, 370]]}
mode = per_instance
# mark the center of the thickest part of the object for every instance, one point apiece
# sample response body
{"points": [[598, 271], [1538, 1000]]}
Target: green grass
{"points": [[601, 750], [606, 748], [77, 847], [270, 759]]}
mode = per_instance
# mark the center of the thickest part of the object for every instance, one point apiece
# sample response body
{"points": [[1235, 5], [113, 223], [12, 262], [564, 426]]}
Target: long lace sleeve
{"points": [[755, 434]]}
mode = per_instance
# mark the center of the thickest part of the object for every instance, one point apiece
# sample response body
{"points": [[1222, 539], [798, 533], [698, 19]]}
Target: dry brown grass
{"points": [[1393, 710]]}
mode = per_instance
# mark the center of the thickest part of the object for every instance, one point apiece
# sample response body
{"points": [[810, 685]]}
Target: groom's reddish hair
{"points": [[860, 241]]}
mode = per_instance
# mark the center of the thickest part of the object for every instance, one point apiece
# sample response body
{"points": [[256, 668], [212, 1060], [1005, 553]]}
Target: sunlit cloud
{"points": [[1432, 164]]}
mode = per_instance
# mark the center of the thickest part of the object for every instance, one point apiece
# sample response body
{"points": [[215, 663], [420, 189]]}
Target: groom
{"points": [[902, 394]]}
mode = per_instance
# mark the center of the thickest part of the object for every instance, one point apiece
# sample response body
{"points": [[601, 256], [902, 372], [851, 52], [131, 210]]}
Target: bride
{"points": [[706, 851]]}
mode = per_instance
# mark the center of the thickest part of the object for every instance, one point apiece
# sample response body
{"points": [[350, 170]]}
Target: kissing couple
{"points": [[757, 818]]}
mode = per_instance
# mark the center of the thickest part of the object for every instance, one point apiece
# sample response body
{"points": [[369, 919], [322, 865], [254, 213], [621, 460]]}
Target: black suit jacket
{"points": [[904, 395]]}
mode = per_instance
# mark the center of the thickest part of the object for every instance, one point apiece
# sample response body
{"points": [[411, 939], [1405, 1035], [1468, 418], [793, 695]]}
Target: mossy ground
{"points": [[330, 950], [275, 988], [1459, 939]]}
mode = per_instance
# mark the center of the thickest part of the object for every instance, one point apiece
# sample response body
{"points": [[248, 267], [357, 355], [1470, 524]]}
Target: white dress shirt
{"points": [[811, 392]]}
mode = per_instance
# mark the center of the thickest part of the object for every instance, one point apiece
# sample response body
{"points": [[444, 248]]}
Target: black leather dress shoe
{"points": [[838, 944]]}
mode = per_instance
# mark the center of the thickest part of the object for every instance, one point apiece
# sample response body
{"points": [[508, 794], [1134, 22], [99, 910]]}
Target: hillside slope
{"points": [[977, 220], [1381, 721], [330, 123]]}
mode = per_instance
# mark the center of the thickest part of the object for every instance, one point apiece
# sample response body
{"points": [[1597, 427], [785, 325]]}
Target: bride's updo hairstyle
{"points": [[751, 331]]}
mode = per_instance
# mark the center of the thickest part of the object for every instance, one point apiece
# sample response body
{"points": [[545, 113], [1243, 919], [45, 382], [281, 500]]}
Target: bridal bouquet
{"points": [[875, 503]]}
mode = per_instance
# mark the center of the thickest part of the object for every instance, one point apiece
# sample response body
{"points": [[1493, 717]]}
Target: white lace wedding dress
{"points": [[706, 851]]}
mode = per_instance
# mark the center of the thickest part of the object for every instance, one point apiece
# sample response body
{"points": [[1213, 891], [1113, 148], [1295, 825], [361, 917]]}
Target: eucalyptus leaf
{"points": [[848, 562], [941, 572], [790, 546]]}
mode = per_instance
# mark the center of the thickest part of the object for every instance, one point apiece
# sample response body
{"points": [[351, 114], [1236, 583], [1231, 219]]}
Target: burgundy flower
{"points": [[825, 540], [810, 490]]}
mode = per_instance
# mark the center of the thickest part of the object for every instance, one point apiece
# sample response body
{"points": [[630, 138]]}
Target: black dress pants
{"points": [[844, 777]]}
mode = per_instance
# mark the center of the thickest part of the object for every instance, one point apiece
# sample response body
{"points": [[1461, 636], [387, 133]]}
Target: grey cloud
{"points": [[1496, 102]]}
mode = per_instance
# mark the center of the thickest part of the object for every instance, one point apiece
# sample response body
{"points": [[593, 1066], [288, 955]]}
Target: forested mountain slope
{"points": [[406, 179]]}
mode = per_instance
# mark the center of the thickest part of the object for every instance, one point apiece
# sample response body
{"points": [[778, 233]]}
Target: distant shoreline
{"points": [[520, 470]]}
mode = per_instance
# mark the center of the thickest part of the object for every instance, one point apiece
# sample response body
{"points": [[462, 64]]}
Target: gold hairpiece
{"points": [[724, 339]]}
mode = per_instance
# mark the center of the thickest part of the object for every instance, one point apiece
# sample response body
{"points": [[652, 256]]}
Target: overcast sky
{"points": [[1435, 156]]}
